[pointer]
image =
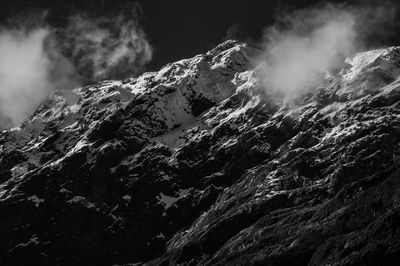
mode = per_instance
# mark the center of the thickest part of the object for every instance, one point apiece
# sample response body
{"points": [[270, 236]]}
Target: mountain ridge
{"points": [[198, 164]]}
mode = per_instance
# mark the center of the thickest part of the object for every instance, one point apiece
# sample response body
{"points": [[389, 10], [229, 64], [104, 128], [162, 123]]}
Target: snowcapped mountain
{"points": [[195, 164]]}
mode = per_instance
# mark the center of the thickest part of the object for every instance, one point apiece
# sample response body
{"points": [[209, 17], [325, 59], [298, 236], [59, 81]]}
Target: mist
{"points": [[37, 59], [306, 44]]}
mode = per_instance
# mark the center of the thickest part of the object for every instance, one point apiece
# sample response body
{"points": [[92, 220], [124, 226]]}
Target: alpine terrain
{"points": [[198, 164]]}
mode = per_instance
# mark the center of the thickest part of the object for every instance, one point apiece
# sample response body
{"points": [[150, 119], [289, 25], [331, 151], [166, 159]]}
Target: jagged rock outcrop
{"points": [[195, 164]]}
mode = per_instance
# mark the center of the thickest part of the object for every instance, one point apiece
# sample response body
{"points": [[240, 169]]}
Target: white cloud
{"points": [[24, 70]]}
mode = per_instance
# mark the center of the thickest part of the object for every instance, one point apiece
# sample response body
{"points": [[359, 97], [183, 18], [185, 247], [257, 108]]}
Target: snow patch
{"points": [[126, 197], [168, 201], [34, 240], [82, 201], [35, 200]]}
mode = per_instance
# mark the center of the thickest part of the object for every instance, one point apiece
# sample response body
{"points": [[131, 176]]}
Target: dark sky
{"points": [[176, 28]]}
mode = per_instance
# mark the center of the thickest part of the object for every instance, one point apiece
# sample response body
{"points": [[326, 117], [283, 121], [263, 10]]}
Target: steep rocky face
{"points": [[195, 164]]}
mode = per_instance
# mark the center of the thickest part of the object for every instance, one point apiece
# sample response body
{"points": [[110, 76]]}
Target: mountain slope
{"points": [[196, 164]]}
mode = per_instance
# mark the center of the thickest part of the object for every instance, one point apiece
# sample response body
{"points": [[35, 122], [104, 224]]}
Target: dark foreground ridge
{"points": [[196, 165]]}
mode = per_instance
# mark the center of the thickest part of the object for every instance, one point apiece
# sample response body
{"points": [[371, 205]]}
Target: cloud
{"points": [[36, 58], [23, 74], [236, 32], [104, 48], [303, 45]]}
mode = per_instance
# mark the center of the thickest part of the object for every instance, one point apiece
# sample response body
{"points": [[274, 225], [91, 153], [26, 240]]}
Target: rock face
{"points": [[196, 165]]}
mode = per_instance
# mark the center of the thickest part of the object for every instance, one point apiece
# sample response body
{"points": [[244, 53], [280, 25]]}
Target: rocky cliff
{"points": [[196, 165]]}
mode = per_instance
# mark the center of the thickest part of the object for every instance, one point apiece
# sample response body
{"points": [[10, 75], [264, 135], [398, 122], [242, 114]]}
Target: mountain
{"points": [[196, 165]]}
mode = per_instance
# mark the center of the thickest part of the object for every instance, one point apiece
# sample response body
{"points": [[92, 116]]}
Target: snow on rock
{"points": [[370, 70]]}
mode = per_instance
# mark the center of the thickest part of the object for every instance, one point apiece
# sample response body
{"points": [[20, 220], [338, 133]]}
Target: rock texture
{"points": [[197, 165]]}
